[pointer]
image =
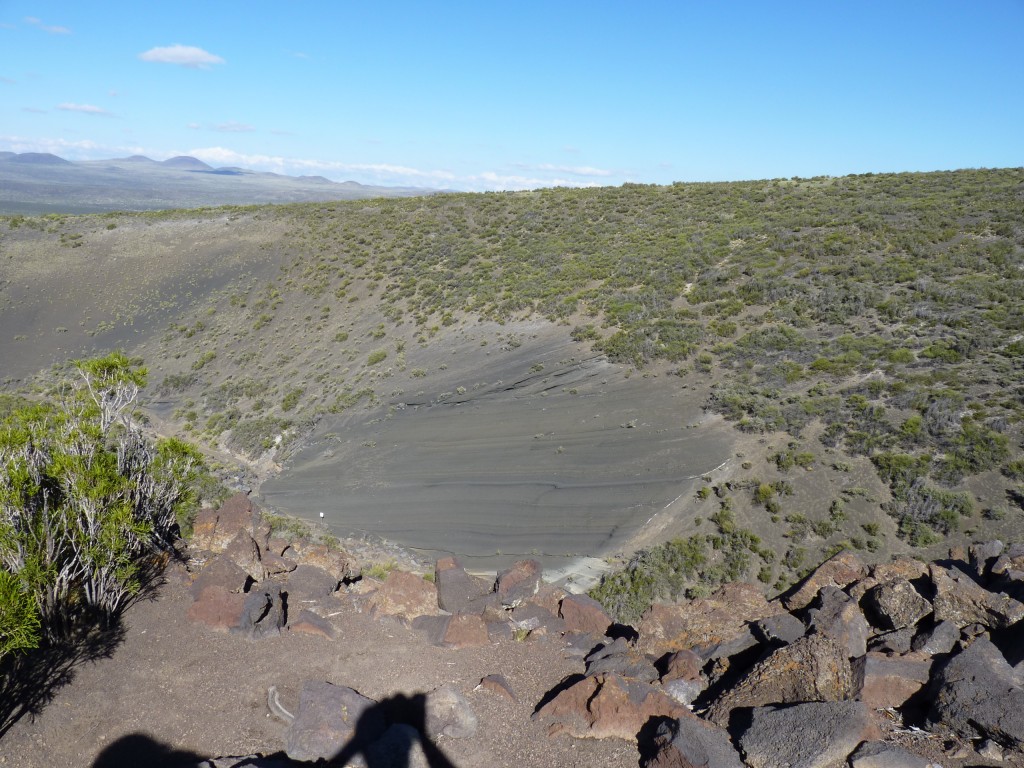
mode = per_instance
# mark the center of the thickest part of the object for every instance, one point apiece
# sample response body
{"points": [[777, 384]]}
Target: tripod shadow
{"points": [[394, 746]]}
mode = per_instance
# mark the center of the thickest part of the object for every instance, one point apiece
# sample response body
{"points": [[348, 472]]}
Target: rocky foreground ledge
{"points": [[901, 664]]}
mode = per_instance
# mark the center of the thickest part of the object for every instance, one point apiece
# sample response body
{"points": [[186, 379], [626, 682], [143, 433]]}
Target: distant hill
{"points": [[187, 163], [37, 183], [37, 158]]}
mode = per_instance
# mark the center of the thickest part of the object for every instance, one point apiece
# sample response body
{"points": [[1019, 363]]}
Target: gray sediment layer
{"points": [[564, 462]]}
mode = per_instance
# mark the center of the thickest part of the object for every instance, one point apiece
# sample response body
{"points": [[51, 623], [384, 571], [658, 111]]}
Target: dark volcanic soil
{"points": [[528, 452]]}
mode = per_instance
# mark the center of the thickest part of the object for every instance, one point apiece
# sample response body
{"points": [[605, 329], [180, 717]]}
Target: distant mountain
{"points": [[187, 163], [38, 158], [37, 183]]}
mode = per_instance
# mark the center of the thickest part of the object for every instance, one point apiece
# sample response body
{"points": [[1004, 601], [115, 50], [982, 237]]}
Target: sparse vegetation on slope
{"points": [[855, 325]]}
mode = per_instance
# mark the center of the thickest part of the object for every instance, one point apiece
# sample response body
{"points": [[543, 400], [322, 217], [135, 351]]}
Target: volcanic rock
{"points": [[721, 617], [809, 735], [960, 600], [838, 571], [977, 693], [404, 595], [583, 614], [328, 719], [689, 742], [814, 668], [519, 583], [896, 604], [607, 705]]}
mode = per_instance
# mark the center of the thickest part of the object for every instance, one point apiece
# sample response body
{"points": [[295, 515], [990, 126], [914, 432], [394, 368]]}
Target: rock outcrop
{"points": [[729, 680]]}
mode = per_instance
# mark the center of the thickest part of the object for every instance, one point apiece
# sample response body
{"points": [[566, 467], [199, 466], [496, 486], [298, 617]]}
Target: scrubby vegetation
{"points": [[868, 328], [87, 503]]}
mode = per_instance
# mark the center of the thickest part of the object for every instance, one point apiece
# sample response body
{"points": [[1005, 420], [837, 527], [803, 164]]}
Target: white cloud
{"points": [[52, 29], [84, 149], [88, 109], [579, 170], [7, 81], [182, 55], [194, 126], [36, 110], [233, 127], [385, 174], [496, 181]]}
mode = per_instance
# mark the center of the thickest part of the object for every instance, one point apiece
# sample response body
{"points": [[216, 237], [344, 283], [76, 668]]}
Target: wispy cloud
{"points": [[88, 109], [182, 55], [52, 29], [7, 81], [499, 181], [35, 110], [194, 126], [382, 173], [389, 174], [577, 170], [84, 149], [233, 127]]}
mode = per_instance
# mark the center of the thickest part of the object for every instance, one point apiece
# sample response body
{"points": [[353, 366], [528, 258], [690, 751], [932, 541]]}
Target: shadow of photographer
{"points": [[393, 734]]}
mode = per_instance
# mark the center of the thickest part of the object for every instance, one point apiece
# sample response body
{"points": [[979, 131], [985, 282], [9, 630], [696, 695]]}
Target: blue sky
{"points": [[487, 95]]}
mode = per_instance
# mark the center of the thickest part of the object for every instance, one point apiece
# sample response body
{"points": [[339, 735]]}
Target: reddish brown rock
{"points": [[838, 571], [335, 561], [720, 618], [220, 571], [682, 665], [309, 623], [548, 597], [519, 583], [899, 568], [214, 529], [583, 614], [275, 565], [465, 630], [884, 680], [960, 600], [244, 552], [217, 608], [404, 595], [607, 705], [814, 668], [498, 684]]}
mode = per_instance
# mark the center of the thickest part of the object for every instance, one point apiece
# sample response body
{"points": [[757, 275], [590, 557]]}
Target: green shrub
{"points": [[85, 498], [376, 356]]}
